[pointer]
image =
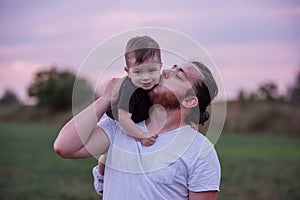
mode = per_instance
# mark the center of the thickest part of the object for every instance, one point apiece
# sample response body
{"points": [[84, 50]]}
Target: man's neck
{"points": [[162, 120]]}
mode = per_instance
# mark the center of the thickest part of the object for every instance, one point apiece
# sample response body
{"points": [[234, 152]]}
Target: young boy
{"points": [[133, 104]]}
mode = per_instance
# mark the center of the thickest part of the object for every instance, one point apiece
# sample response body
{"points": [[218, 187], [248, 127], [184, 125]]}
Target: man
{"points": [[181, 164]]}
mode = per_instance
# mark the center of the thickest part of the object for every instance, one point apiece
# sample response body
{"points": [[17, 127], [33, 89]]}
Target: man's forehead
{"points": [[190, 70]]}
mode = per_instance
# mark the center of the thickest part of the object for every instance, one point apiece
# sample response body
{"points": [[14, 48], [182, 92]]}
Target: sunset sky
{"points": [[250, 41]]}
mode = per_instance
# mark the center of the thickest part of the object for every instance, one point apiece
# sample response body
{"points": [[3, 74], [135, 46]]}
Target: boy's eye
{"points": [[153, 70], [137, 72]]}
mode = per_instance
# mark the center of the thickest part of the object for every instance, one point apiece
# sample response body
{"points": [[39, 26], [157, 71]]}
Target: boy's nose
{"points": [[145, 77]]}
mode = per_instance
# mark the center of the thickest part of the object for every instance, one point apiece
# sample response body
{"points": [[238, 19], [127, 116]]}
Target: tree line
{"points": [[53, 89], [268, 92]]}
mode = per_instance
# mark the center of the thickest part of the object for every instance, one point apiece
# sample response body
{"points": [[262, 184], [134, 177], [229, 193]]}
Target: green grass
{"points": [[259, 167], [253, 166], [30, 169]]}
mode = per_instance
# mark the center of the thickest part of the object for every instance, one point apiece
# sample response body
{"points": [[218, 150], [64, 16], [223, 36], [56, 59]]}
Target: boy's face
{"points": [[145, 75]]}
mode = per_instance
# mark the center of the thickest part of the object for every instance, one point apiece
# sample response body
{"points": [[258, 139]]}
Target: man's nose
{"points": [[167, 73]]}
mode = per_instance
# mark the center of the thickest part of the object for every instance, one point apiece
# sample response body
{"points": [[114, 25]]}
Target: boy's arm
{"points": [[132, 130], [81, 137]]}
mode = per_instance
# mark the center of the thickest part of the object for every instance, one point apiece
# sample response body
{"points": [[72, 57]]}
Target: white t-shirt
{"points": [[179, 161]]}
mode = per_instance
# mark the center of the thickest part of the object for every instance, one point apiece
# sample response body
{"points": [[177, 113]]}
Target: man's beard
{"points": [[166, 98]]}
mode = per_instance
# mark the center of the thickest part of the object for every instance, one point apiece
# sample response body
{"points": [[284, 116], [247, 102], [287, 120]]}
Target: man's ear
{"points": [[190, 101]]}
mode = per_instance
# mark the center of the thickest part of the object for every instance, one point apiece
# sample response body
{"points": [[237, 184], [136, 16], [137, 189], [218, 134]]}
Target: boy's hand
{"points": [[194, 126], [147, 140]]}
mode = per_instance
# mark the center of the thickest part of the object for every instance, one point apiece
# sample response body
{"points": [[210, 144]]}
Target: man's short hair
{"points": [[205, 89]]}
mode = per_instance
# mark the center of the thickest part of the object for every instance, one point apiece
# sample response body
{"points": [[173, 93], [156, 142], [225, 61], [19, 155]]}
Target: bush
{"points": [[263, 117]]}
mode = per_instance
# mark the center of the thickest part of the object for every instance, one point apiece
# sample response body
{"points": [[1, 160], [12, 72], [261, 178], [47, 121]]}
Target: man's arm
{"points": [[81, 137], [209, 195]]}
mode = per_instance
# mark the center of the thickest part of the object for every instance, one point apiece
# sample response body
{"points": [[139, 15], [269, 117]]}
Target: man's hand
{"points": [[194, 126], [112, 89]]}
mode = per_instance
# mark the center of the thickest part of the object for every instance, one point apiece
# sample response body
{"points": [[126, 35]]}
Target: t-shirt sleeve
{"points": [[205, 172], [108, 125], [126, 92]]}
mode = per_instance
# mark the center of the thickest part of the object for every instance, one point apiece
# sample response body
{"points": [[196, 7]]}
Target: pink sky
{"points": [[251, 42]]}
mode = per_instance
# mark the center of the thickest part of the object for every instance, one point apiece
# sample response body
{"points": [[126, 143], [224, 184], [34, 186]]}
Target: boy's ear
{"points": [[126, 69], [190, 101], [160, 67]]}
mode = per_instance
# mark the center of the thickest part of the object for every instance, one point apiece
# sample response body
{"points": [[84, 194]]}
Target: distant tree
{"points": [[54, 88], [295, 90], [9, 98], [268, 92], [253, 96], [242, 97]]}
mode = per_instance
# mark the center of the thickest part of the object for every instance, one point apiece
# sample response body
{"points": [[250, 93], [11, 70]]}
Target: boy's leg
{"points": [[98, 174], [101, 164]]}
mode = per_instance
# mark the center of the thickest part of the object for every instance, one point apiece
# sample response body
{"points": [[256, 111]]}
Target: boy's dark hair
{"points": [[143, 47]]}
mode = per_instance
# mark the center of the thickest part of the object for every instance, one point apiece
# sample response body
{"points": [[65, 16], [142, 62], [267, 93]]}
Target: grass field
{"points": [[253, 167], [259, 167]]}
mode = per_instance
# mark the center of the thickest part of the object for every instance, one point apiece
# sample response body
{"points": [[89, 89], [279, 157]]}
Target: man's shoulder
{"points": [[189, 131], [200, 144]]}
